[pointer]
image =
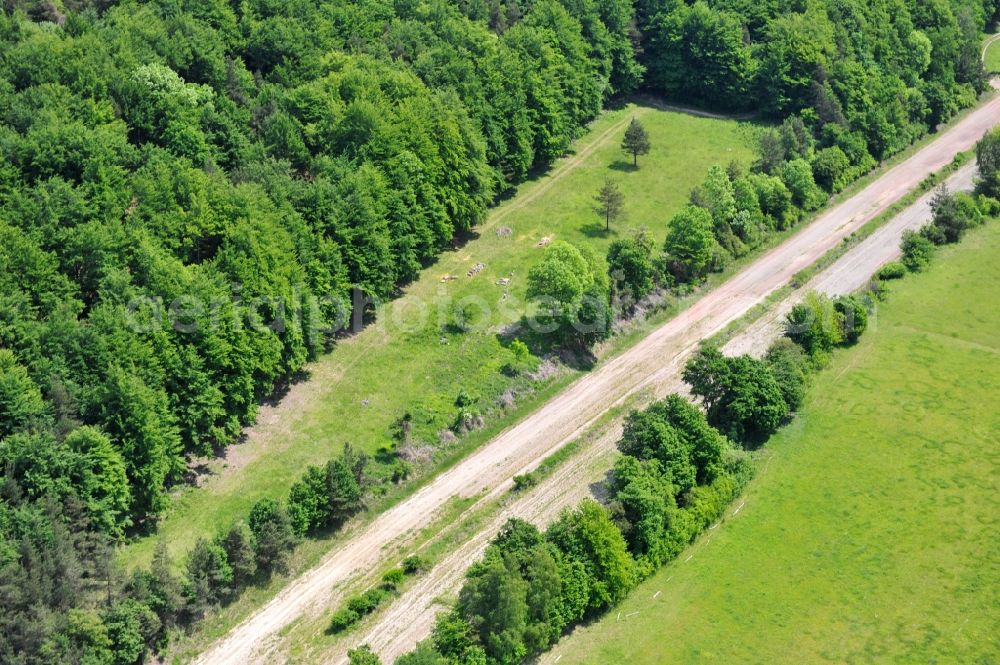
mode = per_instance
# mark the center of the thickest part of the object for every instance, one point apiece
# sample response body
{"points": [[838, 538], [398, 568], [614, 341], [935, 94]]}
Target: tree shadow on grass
{"points": [[595, 230], [282, 386], [544, 343], [623, 166], [599, 490]]}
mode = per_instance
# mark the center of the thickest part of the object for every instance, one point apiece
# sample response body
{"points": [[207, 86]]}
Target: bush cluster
{"points": [[360, 606]]}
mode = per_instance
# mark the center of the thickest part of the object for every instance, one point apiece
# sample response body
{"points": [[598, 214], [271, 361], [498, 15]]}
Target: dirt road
{"points": [[851, 271], [651, 362]]}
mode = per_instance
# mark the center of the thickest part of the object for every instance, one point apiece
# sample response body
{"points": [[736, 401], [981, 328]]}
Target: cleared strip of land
{"points": [[651, 362]]}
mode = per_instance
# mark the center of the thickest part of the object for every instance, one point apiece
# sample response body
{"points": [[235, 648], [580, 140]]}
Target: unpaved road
{"points": [[649, 363], [410, 618], [851, 271]]}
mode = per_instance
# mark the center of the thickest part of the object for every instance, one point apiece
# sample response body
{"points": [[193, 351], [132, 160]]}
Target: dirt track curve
{"points": [[650, 363]]}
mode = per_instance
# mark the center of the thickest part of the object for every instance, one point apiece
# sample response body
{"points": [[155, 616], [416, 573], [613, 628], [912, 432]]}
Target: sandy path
{"points": [[649, 363]]}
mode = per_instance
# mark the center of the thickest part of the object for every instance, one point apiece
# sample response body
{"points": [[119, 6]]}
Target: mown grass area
{"points": [[870, 534], [992, 59], [356, 392]]}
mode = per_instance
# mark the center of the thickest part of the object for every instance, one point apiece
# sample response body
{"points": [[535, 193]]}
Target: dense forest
{"points": [[238, 169]]}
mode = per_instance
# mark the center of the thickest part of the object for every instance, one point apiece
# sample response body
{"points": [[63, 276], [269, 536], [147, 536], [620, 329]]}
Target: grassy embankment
{"points": [[870, 534]]}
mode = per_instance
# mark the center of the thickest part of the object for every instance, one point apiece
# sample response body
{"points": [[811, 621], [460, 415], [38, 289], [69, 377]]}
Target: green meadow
{"points": [[992, 59], [872, 532], [400, 365]]}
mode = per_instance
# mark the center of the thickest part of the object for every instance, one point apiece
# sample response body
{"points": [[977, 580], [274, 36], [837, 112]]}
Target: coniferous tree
{"points": [[636, 141], [238, 545], [610, 202]]}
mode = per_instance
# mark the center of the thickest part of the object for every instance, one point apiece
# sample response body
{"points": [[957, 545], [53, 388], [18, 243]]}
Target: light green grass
{"points": [[871, 534], [414, 371], [992, 60]]}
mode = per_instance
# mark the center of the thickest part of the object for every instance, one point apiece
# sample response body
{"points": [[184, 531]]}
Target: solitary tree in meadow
{"points": [[610, 202], [636, 141]]}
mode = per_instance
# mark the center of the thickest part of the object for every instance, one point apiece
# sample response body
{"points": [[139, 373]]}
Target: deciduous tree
{"points": [[690, 243], [741, 396]]}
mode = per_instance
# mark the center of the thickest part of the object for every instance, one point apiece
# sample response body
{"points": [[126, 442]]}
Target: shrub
{"points": [[891, 270], [367, 602], [951, 215], [853, 318], [968, 209], [917, 251], [988, 160], [343, 619], [425, 654], [400, 470], [464, 399], [467, 420], [790, 367], [521, 362], [814, 325], [414, 564], [988, 205], [363, 655], [525, 481], [393, 578], [360, 606], [934, 233], [520, 350]]}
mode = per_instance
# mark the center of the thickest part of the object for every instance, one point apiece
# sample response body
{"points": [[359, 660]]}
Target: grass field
{"points": [[357, 391], [992, 60], [871, 533]]}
